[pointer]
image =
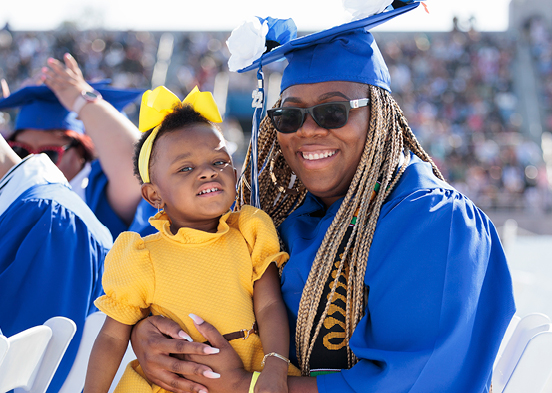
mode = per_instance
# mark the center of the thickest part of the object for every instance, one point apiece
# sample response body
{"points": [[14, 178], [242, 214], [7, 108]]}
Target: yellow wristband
{"points": [[254, 381]]}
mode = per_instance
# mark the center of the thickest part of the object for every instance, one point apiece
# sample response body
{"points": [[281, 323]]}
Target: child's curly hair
{"points": [[182, 115]]}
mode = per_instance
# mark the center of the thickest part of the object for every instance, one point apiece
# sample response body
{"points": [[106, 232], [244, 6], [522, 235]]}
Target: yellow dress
{"points": [[207, 274]]}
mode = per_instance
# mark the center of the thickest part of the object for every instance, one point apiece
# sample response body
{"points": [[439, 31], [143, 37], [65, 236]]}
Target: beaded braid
{"points": [[275, 204], [387, 138]]}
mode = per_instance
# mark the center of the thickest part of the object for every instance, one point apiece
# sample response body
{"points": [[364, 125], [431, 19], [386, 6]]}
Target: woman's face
{"points": [[325, 159], [71, 162]]}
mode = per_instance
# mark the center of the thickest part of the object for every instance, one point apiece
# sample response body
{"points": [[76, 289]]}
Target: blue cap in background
{"points": [[41, 110]]}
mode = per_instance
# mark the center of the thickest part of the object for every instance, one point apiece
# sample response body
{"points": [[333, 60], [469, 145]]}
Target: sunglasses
{"points": [[329, 115], [54, 152]]}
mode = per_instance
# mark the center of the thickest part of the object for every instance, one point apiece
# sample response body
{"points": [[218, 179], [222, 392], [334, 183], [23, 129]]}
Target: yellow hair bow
{"points": [[159, 103]]}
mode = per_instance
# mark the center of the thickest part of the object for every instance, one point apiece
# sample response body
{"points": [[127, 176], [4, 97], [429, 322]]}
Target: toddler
{"points": [[205, 260]]}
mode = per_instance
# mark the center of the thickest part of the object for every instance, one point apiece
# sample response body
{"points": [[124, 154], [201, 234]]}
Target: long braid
{"points": [[267, 143], [388, 137]]}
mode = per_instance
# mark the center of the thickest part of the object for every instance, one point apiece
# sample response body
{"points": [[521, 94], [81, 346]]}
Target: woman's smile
{"points": [[317, 155], [325, 159]]}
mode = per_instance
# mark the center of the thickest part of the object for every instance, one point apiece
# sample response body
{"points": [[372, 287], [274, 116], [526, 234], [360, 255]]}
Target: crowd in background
{"points": [[539, 34], [456, 89]]}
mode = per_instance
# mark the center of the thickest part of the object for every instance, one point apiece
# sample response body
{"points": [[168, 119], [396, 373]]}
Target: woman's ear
{"points": [[151, 194]]}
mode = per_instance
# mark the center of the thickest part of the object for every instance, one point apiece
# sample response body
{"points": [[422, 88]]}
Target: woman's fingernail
{"points": [[210, 350], [68, 55], [211, 374], [185, 336], [203, 391], [196, 319], [50, 60]]}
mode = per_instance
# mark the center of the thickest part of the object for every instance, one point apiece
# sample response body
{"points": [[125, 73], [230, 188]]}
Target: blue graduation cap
{"points": [[40, 108], [347, 52]]}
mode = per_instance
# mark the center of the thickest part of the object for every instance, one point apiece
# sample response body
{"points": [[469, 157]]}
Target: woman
{"points": [[396, 282], [53, 118]]}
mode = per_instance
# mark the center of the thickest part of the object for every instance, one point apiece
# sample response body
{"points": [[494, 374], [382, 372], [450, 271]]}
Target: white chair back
{"points": [[76, 377], [4, 345], [33, 356], [525, 363]]}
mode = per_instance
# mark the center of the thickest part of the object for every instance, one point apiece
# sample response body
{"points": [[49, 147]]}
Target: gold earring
{"points": [[273, 171]]}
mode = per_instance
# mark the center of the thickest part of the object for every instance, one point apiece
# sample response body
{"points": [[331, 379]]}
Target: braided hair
{"points": [[388, 137]]}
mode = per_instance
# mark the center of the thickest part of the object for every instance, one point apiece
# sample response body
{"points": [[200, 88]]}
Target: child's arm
{"points": [[107, 353], [272, 320]]}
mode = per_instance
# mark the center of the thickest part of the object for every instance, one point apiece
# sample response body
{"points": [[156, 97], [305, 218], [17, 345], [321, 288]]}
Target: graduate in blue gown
{"points": [[396, 282], [98, 141], [439, 290], [53, 249]]}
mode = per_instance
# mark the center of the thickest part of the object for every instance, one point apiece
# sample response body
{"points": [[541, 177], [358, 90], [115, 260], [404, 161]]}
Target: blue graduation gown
{"points": [[96, 198], [51, 263], [440, 292]]}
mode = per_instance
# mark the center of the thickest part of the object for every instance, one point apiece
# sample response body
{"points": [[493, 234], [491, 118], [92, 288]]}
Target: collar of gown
{"points": [[35, 169], [189, 235]]}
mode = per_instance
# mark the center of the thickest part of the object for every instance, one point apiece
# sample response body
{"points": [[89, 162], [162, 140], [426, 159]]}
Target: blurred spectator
{"points": [[457, 90]]}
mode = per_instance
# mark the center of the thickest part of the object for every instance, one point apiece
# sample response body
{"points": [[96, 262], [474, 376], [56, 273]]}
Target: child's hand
{"points": [[273, 379]]}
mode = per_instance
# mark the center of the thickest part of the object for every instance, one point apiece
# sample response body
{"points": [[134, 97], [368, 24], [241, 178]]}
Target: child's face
{"points": [[194, 177]]}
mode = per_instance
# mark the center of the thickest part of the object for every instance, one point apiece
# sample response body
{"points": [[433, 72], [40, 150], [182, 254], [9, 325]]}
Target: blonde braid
{"points": [[277, 209], [387, 138]]}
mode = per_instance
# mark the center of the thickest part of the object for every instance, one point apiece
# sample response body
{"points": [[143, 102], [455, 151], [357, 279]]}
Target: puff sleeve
{"points": [[260, 234], [128, 280]]}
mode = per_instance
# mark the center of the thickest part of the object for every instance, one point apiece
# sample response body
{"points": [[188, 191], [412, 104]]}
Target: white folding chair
{"points": [[525, 363], [4, 345], [33, 356], [77, 375], [507, 335]]}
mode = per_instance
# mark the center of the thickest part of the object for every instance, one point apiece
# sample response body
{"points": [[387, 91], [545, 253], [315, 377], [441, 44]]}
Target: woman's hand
{"points": [[227, 363], [66, 81], [154, 339]]}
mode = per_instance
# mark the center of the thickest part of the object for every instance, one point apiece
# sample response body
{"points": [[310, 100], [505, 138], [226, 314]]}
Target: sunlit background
{"points": [[473, 77]]}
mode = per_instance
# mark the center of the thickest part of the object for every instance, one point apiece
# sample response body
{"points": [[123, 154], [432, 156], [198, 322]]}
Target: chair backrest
{"points": [[526, 361], [4, 345], [76, 377], [534, 367], [507, 336], [34, 355]]}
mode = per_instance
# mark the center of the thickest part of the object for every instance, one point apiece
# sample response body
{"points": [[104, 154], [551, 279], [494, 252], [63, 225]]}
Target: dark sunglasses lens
{"points": [[287, 120], [20, 151], [52, 154], [330, 115]]}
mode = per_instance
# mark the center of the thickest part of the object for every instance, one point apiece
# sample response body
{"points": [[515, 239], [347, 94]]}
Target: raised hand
{"points": [[65, 80]]}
